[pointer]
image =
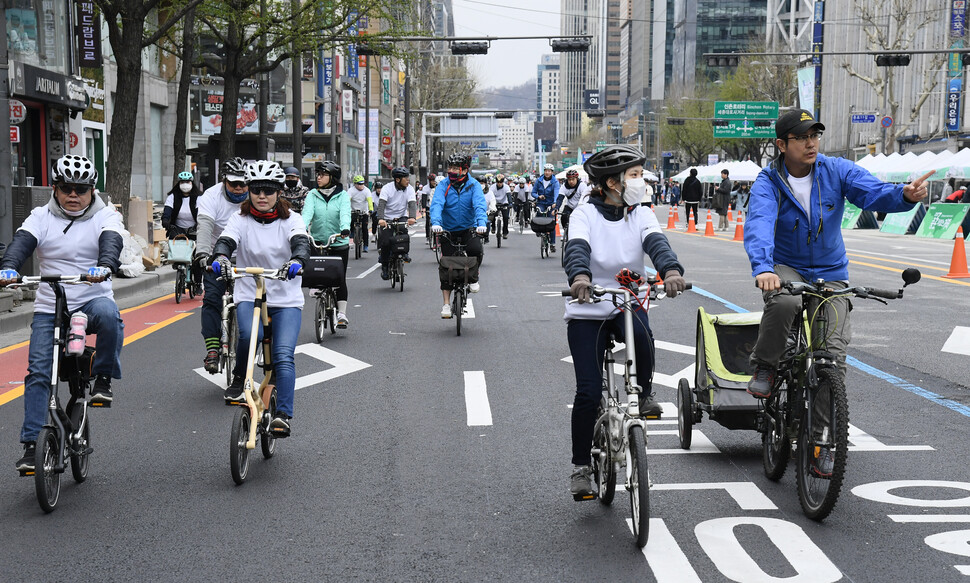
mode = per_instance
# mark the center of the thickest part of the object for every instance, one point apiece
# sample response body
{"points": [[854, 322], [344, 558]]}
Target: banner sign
{"points": [[307, 66], [88, 35], [899, 223], [348, 105], [328, 70], [352, 20], [942, 220], [958, 19], [591, 98], [371, 135], [953, 88], [806, 88]]}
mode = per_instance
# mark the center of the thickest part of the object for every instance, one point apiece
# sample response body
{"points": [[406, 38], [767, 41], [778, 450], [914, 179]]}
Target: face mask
{"points": [[290, 183], [453, 176], [633, 191], [185, 187]]}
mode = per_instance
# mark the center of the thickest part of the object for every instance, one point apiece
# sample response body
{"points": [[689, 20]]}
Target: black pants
{"points": [[473, 247], [384, 240], [504, 209], [360, 218], [564, 218], [344, 254], [691, 206]]}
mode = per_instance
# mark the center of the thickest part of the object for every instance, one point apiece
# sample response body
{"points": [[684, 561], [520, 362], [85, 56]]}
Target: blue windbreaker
{"points": [[778, 230], [551, 192], [459, 209]]}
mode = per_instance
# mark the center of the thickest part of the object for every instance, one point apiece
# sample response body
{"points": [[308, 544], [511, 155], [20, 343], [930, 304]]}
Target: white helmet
{"points": [[72, 169], [263, 171], [548, 167]]}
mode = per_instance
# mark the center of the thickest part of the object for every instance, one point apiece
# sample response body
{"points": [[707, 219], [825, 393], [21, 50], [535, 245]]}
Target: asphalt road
{"points": [[417, 455]]}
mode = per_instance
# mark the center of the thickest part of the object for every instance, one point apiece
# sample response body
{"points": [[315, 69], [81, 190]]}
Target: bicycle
{"points": [[544, 225], [796, 416], [66, 437], [619, 436], [324, 274], [455, 270], [180, 251], [228, 332], [359, 233], [500, 212], [255, 412], [400, 243]]}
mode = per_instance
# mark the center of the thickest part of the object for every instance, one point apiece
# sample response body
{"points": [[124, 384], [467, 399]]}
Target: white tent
{"points": [[745, 171]]}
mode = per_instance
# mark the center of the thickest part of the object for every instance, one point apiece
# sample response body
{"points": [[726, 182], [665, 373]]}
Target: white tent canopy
{"points": [[647, 175], [745, 171]]}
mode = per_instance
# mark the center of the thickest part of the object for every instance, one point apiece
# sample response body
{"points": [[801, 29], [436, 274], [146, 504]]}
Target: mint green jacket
{"points": [[325, 218]]}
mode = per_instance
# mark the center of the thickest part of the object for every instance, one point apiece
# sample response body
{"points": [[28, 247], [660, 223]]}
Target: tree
{"points": [[695, 138], [441, 85], [890, 32], [187, 55]]}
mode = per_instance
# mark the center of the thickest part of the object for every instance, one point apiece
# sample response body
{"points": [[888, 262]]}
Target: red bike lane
{"points": [[140, 321]]}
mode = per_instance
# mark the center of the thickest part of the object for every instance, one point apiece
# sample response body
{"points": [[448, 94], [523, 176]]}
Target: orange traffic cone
{"points": [[671, 224], [958, 263], [730, 216], [691, 227], [676, 213], [709, 227], [557, 230], [739, 230]]}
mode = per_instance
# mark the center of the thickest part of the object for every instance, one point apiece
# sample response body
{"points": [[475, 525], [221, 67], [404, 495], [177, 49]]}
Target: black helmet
{"points": [[400, 172], [234, 167], [613, 160], [330, 168], [460, 160]]}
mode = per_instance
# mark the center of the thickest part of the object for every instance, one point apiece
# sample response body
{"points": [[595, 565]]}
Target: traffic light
{"points": [[892, 60], [762, 123], [374, 49], [570, 45], [722, 61], [675, 121], [965, 59], [469, 48]]}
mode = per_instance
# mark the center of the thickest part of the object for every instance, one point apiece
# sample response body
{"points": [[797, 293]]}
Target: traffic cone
{"points": [[676, 213], [958, 262], [557, 229], [671, 224], [691, 227], [730, 216], [709, 227], [739, 230]]}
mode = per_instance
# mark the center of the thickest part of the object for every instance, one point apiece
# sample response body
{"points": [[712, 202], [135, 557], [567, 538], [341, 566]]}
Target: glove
{"points": [[345, 233], [436, 228], [201, 260], [674, 283], [98, 274], [292, 268], [8, 276], [580, 288], [481, 230], [219, 264]]}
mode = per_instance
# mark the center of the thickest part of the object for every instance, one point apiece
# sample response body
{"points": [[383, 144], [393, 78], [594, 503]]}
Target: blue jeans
{"points": [[103, 320], [215, 288], [587, 343], [286, 331]]}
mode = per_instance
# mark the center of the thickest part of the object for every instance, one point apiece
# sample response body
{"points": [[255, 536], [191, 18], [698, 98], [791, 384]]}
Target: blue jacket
{"points": [[459, 209], [551, 192], [778, 230]]}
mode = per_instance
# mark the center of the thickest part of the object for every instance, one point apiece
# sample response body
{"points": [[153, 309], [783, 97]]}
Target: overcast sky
{"points": [[509, 62]]}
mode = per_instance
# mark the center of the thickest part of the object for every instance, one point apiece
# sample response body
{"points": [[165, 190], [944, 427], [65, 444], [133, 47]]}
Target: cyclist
{"points": [[264, 233], [361, 201], [573, 193], [458, 206], [426, 193], [545, 191], [610, 233], [180, 217], [294, 192], [217, 204], [326, 212], [501, 192], [522, 194], [396, 201], [75, 232], [792, 232]]}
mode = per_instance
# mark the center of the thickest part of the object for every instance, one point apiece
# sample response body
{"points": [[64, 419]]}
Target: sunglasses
{"points": [[80, 189], [236, 183], [266, 191]]}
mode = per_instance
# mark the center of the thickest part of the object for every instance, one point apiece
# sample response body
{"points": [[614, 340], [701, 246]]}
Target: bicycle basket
{"points": [[723, 367], [457, 270], [543, 224], [321, 272], [180, 250], [77, 364]]}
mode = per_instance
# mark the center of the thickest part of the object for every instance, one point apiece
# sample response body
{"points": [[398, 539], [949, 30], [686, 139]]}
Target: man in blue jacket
{"points": [[793, 232], [457, 206], [546, 191]]}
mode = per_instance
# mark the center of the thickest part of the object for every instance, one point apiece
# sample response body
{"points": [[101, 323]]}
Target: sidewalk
{"points": [[161, 280]]}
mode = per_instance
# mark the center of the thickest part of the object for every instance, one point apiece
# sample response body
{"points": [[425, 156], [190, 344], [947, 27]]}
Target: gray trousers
{"points": [[781, 309]]}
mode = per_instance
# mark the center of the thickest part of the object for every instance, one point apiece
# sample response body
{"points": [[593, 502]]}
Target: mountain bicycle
{"points": [[324, 274], [358, 231], [66, 437], [620, 435], [455, 270], [808, 410], [255, 412]]}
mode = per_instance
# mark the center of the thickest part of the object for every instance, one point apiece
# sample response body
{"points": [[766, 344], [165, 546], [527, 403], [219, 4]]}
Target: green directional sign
{"points": [[744, 128], [942, 219], [746, 110], [898, 223]]}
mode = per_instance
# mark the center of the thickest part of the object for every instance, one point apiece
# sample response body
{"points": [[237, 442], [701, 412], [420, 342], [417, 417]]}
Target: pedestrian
{"points": [[722, 199], [674, 194], [948, 187], [692, 193]]}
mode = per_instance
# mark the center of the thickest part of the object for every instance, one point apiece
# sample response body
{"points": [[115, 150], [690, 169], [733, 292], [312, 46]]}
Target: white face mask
{"points": [[633, 191], [185, 187]]}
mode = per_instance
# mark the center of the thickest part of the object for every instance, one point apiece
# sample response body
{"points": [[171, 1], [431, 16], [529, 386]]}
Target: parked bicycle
{"points": [[456, 271], [323, 275], [620, 435]]}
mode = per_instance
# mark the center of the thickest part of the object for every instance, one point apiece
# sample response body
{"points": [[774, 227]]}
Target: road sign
{"points": [[744, 128], [863, 118], [746, 110], [14, 135], [886, 122]]}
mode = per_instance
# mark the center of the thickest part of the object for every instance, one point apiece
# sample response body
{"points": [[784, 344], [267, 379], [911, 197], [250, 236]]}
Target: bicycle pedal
{"points": [[100, 404], [279, 434], [26, 473], [584, 497], [646, 416]]}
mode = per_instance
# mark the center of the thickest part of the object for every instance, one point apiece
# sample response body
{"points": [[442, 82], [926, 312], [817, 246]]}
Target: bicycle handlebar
{"points": [[330, 241], [799, 287], [263, 272], [654, 291], [25, 280]]}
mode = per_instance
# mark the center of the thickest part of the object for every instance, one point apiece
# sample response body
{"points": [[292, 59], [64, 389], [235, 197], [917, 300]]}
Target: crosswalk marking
{"points": [[476, 399], [959, 341]]}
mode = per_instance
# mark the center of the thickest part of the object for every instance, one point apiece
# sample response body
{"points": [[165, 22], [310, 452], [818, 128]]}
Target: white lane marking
{"points": [[862, 441], [964, 569], [665, 557], [476, 399], [671, 347], [369, 271], [747, 494], [699, 444], [469, 309], [671, 381], [958, 342], [341, 365], [930, 518]]}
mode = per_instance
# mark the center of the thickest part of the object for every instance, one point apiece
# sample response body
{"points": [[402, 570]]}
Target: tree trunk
{"points": [[230, 110], [121, 136], [185, 78]]}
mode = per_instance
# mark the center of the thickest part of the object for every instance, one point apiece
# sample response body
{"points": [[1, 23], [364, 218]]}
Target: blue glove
{"points": [[98, 274], [219, 263], [292, 268], [8, 276]]}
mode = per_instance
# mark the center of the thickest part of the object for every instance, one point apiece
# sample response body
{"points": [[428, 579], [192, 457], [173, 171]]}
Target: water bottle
{"points": [[76, 336]]}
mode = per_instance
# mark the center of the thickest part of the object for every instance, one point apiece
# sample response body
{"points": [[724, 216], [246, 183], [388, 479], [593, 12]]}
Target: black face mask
{"points": [[290, 183]]}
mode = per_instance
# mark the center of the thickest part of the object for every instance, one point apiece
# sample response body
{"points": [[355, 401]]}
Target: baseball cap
{"points": [[291, 171], [797, 122]]}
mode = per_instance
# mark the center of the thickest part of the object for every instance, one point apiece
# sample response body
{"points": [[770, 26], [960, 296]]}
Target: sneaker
{"points": [[649, 407], [761, 382], [824, 462], [505, 236], [280, 425], [406, 258], [581, 484], [101, 392], [234, 392], [198, 289], [474, 287], [342, 321], [385, 274], [211, 361], [446, 312], [552, 248], [26, 463], [365, 249]]}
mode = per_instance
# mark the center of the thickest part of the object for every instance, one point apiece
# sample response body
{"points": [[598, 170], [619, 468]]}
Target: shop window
{"points": [[37, 33]]}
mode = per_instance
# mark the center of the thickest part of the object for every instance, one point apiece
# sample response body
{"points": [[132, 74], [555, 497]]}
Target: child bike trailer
{"points": [[722, 370]]}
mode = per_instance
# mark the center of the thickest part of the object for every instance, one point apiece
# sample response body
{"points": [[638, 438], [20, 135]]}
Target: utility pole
{"points": [[261, 147], [334, 84], [6, 180], [297, 81], [407, 115], [367, 120]]}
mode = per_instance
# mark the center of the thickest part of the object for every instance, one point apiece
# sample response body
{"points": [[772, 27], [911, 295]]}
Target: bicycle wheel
{"points": [[238, 454], [358, 242], [604, 467], [191, 284], [47, 481], [498, 231], [437, 248], [79, 446], [319, 317], [232, 337], [639, 485], [400, 272], [331, 311], [818, 491], [775, 445], [179, 284], [685, 414], [266, 440], [457, 307]]}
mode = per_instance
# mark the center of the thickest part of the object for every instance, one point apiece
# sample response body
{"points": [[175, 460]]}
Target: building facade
{"points": [[547, 86], [581, 72]]}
